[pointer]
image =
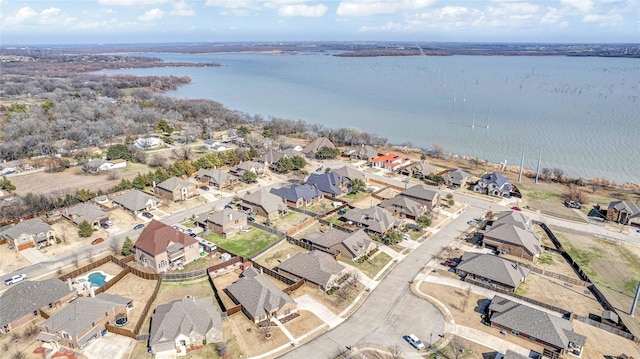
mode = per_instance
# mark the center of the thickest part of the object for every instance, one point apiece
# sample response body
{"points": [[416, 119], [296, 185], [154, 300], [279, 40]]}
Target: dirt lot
{"points": [[602, 344], [289, 220], [460, 348], [548, 261], [251, 341], [304, 324], [135, 288], [364, 202], [26, 341], [278, 254], [10, 260]]}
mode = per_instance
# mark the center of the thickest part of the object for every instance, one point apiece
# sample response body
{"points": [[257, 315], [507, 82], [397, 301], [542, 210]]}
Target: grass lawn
{"points": [[371, 266], [189, 223], [244, 243], [356, 195]]}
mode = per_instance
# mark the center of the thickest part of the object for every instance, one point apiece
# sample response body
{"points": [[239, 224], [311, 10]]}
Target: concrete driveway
{"points": [[110, 346], [33, 255], [306, 302]]}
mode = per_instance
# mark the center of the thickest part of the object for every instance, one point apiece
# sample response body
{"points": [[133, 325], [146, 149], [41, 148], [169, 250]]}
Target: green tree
{"points": [[249, 177], [126, 246], [119, 151], [266, 133], [84, 195], [392, 237], [163, 126], [450, 200], [423, 220], [327, 153], [123, 185], [243, 130], [356, 185], [6, 184], [284, 165], [298, 162], [85, 229]]}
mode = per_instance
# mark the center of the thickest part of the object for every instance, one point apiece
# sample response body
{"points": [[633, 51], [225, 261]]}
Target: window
{"points": [[287, 311], [532, 338], [515, 332], [50, 305], [35, 312], [71, 345], [65, 335]]}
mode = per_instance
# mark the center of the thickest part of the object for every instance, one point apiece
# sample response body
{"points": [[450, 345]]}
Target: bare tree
{"points": [[265, 330], [182, 153], [465, 301], [457, 347], [18, 355], [343, 292], [112, 175], [75, 259], [158, 160], [438, 150], [114, 245], [396, 352], [354, 278]]}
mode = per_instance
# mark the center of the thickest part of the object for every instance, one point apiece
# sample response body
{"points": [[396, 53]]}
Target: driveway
{"points": [[110, 346], [306, 302], [33, 255]]}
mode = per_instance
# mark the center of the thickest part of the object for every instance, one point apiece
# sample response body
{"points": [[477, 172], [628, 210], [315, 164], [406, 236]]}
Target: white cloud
{"points": [[303, 10], [377, 7], [132, 2], [233, 4], [52, 11], [21, 16], [552, 16], [389, 26], [151, 15], [582, 5], [611, 18], [181, 8]]}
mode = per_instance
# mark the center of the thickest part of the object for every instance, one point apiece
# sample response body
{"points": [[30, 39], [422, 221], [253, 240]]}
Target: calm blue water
{"points": [[97, 279], [582, 112]]}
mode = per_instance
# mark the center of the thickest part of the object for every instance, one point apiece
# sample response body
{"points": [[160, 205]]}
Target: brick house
{"points": [[226, 222], [175, 189], [162, 247], [29, 233]]}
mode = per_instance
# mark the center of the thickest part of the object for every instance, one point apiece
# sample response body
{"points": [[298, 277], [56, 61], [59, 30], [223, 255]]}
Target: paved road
{"points": [[392, 310]]}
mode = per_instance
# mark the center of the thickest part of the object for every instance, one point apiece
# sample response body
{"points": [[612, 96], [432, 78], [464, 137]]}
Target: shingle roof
{"points": [[186, 316], [492, 267], [510, 354], [84, 212], [30, 227], [374, 218], [457, 176], [248, 165], [356, 242], [513, 218], [625, 206], [214, 175], [315, 266], [25, 297], [496, 178], [79, 315], [297, 192], [349, 172], [273, 156], [267, 200], [317, 144], [368, 151], [420, 192], [405, 204], [423, 167], [536, 323], [174, 183], [134, 200], [515, 235], [226, 216], [257, 294], [325, 182], [157, 236]]}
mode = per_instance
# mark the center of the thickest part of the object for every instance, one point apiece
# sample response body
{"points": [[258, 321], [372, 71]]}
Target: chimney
{"points": [[154, 184], [230, 216], [69, 284], [92, 292], [288, 255], [261, 271]]}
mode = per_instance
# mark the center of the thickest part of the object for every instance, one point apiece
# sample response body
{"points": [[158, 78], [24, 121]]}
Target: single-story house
{"points": [[85, 212], [422, 194], [260, 299], [175, 189], [374, 219], [513, 240], [623, 212], [553, 333], [352, 245], [162, 247], [312, 149], [299, 195], [111, 165], [256, 167], [264, 203], [315, 267], [420, 169], [177, 325], [497, 271], [146, 143], [216, 178], [136, 201], [331, 184], [22, 302], [29, 233], [458, 178], [82, 321], [216, 146], [493, 184], [226, 222], [271, 157], [390, 161], [349, 173], [513, 218], [404, 207]]}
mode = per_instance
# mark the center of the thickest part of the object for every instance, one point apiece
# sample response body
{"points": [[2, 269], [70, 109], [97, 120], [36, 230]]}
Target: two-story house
{"points": [[162, 247]]}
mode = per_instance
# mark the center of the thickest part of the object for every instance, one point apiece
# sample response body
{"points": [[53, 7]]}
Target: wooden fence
{"points": [[307, 222], [303, 211], [233, 310], [145, 310], [603, 326], [299, 243], [85, 269], [290, 289], [273, 274], [120, 331], [110, 283]]}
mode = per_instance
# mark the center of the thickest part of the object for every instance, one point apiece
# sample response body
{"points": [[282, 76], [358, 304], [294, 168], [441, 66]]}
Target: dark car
{"points": [[147, 214], [192, 234], [450, 263], [104, 225], [251, 219], [205, 188], [138, 226], [342, 211], [228, 206], [516, 208]]}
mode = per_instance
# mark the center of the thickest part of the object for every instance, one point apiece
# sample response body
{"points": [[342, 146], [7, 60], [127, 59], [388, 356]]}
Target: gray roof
{"points": [[174, 183], [423, 167], [631, 208], [114, 298], [297, 192], [23, 298], [405, 204], [186, 316], [374, 218], [135, 200], [536, 323], [356, 242], [248, 166], [315, 266], [29, 227], [257, 294], [368, 151], [510, 354], [214, 176], [515, 235], [420, 192], [317, 144], [226, 216], [273, 156], [499, 180], [326, 182], [513, 218], [84, 212], [349, 172], [80, 314], [494, 268], [457, 176], [267, 200]]}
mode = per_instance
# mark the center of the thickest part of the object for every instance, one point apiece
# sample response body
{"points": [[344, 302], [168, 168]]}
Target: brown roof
{"points": [[157, 236]]}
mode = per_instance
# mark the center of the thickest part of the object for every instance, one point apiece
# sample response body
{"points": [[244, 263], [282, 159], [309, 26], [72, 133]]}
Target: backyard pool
{"points": [[94, 279], [97, 279]]}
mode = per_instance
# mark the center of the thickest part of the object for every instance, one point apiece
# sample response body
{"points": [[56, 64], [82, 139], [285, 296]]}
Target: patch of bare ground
{"points": [[549, 261], [251, 339], [602, 344], [10, 260], [222, 282], [137, 289], [365, 202], [465, 307], [22, 339], [289, 220], [278, 254], [334, 302], [459, 348], [305, 323]]}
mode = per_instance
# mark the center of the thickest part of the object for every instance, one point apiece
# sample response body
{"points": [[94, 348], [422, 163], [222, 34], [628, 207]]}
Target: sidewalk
{"points": [[306, 302]]}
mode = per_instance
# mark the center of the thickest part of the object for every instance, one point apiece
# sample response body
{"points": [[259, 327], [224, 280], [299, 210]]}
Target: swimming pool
{"points": [[97, 279]]}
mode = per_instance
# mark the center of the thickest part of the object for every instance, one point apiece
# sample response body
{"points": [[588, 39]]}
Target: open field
{"points": [[601, 344], [244, 243], [137, 289], [278, 254]]}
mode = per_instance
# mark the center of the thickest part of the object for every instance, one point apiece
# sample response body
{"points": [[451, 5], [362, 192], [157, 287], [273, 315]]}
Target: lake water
{"points": [[582, 112]]}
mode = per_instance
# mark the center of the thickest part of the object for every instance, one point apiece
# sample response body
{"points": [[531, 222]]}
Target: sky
{"points": [[143, 21]]}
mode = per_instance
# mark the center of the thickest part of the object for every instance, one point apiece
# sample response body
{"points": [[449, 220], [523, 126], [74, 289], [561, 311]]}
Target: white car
{"points": [[15, 279], [413, 340]]}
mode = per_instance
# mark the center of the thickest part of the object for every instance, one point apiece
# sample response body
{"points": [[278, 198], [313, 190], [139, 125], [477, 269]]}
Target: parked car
{"points": [[516, 208], [108, 223], [15, 279], [341, 212], [251, 219], [472, 222], [205, 188], [191, 234], [97, 241], [450, 263], [138, 226], [104, 225], [413, 340], [319, 169], [147, 214], [228, 206]]}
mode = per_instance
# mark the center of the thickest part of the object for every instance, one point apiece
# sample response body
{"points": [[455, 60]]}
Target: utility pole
{"points": [[539, 160], [521, 164]]}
